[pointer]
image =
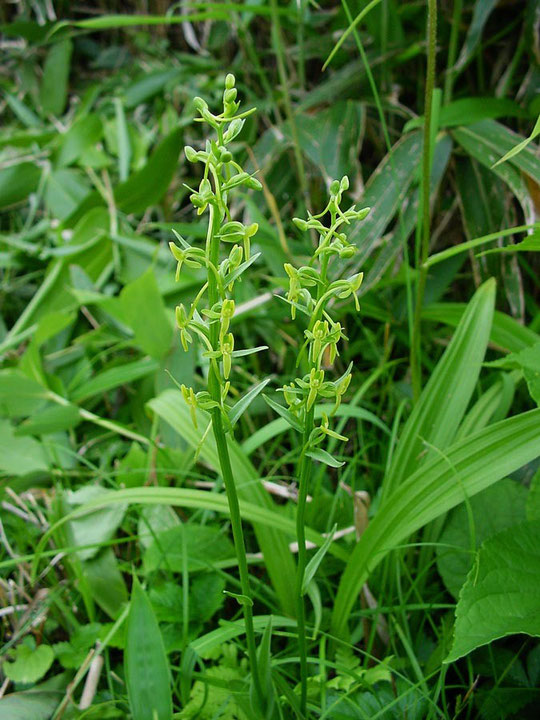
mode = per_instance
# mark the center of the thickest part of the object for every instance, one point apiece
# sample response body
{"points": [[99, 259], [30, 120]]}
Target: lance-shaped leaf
{"points": [[466, 468]]}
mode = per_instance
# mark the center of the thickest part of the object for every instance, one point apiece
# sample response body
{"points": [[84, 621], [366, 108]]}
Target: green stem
{"points": [[416, 365], [303, 479], [214, 388], [304, 472]]}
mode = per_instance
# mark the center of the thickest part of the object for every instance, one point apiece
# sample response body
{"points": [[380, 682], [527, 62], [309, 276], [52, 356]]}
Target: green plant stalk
{"points": [[305, 464], [214, 388], [303, 479], [416, 366]]}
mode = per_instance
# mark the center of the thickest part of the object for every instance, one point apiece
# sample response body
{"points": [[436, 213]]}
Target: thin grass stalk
{"points": [[416, 362]]}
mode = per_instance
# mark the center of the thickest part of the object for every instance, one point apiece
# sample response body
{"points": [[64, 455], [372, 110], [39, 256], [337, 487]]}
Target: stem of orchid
{"points": [[214, 388]]}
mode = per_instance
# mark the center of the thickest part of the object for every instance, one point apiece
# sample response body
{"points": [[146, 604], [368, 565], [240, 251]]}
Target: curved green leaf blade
{"points": [[443, 482], [438, 413]]}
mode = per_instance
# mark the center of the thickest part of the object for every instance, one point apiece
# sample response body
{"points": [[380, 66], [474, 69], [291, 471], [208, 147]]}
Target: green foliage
{"points": [[500, 596], [432, 501], [147, 670]]}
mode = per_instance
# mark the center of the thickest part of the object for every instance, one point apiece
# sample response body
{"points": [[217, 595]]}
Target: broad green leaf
{"points": [[261, 517], [528, 361], [113, 378], [49, 420], [106, 582], [19, 395], [148, 85], [323, 456], [467, 111], [384, 193], [144, 312], [124, 143], [484, 142], [20, 455], [492, 138], [204, 545], [465, 468], [204, 644], [92, 528], [148, 185], [22, 111], [437, 415], [18, 182], [84, 133], [205, 598], [94, 255], [494, 404], [145, 661], [331, 138], [54, 84], [500, 596], [66, 188], [38, 703], [468, 525], [506, 332], [29, 665]]}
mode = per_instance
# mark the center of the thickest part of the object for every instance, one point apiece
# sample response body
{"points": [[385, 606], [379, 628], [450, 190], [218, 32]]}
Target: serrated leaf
{"points": [[491, 511], [500, 596]]}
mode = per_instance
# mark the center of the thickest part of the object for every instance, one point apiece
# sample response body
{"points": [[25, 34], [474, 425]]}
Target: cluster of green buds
{"points": [[212, 322], [311, 291]]}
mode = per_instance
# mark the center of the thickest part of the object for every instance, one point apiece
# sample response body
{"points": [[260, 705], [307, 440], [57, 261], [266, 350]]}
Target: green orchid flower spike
{"points": [[211, 314], [312, 292]]}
